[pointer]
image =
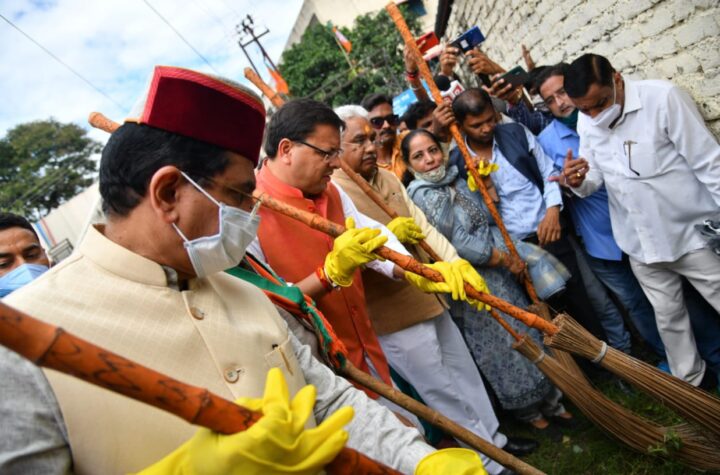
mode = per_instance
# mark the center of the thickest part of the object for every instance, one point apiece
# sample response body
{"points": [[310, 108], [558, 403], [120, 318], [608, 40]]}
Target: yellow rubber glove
{"points": [[406, 230], [471, 276], [451, 462], [277, 444], [352, 249], [484, 169], [453, 285]]}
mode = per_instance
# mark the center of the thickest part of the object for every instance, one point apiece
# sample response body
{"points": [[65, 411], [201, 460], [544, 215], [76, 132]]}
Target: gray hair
{"points": [[351, 111]]}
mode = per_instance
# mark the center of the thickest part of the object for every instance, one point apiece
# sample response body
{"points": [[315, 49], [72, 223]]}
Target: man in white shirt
{"points": [[647, 142]]}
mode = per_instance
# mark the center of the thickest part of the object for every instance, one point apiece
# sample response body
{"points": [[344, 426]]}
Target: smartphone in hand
{"points": [[469, 39], [516, 76]]}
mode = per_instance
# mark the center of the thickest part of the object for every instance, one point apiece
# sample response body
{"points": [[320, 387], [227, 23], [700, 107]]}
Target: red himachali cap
{"points": [[211, 109]]}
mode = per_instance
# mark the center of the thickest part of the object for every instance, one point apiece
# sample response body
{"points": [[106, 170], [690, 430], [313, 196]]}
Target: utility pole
{"points": [[246, 29]]}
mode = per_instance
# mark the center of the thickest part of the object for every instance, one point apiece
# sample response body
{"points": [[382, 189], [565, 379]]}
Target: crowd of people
{"points": [[600, 181]]}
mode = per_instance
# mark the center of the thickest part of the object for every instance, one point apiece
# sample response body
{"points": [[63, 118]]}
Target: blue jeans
{"points": [[619, 278], [610, 318]]}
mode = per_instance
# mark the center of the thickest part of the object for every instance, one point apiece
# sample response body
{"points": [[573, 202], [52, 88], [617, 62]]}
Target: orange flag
{"points": [[344, 42]]}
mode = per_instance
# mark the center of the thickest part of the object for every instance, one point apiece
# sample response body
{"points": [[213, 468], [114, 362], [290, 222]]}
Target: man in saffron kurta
{"points": [[303, 143]]}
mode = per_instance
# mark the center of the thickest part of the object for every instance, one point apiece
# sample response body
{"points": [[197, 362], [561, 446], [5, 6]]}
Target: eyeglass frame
{"points": [[327, 155]]}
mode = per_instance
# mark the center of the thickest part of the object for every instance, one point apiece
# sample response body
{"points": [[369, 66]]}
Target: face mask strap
{"points": [[180, 232], [200, 188]]}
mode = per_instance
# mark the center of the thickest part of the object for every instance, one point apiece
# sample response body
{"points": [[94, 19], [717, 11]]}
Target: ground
{"points": [[588, 451]]}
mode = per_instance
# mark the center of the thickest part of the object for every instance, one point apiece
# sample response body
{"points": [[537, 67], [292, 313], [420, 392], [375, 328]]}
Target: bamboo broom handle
{"points": [[373, 195], [407, 36], [406, 262], [377, 199], [274, 97], [365, 186], [439, 420], [52, 347], [319, 223]]}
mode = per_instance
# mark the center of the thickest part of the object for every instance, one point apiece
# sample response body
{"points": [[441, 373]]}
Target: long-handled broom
{"points": [[624, 366], [694, 449], [98, 120], [52, 347]]}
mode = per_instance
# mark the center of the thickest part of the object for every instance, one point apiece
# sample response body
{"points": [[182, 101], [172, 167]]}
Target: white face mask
{"points": [[211, 254], [433, 176], [607, 116]]}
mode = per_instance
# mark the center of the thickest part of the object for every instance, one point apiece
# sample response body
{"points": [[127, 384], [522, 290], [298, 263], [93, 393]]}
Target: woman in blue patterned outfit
{"points": [[463, 219]]}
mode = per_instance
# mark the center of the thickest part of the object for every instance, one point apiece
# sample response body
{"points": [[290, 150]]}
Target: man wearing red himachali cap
{"points": [[149, 285]]}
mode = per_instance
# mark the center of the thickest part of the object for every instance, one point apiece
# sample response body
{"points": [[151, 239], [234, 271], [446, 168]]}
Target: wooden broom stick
{"points": [[377, 199], [406, 262], [372, 194], [274, 97], [407, 36], [52, 347]]}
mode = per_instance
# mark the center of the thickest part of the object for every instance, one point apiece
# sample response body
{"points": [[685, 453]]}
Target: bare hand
{"points": [[480, 63], [505, 91], [528, 59], [448, 60], [548, 230], [409, 60], [574, 171], [515, 265], [442, 118]]}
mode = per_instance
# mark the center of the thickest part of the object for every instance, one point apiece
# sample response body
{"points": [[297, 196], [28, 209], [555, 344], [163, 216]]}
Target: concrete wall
{"points": [[678, 40]]}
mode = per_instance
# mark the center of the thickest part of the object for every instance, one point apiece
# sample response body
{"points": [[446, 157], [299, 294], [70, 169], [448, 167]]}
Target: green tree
{"points": [[43, 164], [316, 67]]}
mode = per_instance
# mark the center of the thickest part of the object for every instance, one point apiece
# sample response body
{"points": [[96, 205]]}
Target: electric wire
{"points": [[165, 20], [63, 63]]}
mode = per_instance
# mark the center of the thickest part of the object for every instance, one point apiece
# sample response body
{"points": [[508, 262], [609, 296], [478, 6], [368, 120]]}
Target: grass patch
{"points": [[587, 450]]}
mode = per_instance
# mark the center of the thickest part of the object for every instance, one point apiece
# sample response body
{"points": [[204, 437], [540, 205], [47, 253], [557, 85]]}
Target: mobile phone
{"points": [[516, 76], [469, 39], [427, 41]]}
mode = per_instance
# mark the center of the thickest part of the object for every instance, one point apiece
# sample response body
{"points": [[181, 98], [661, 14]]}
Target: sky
{"points": [[114, 44]]}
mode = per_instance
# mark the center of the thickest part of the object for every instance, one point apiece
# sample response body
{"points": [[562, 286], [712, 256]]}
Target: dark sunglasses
{"points": [[393, 120]]}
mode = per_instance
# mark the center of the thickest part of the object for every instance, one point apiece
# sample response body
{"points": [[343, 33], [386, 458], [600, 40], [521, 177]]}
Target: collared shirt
{"points": [[661, 167], [591, 215], [350, 211], [521, 206]]}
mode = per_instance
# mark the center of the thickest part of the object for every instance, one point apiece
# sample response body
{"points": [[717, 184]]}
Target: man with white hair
{"points": [[415, 330]]}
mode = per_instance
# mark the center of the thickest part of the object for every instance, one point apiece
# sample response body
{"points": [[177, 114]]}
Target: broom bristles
{"points": [[694, 404], [638, 433]]}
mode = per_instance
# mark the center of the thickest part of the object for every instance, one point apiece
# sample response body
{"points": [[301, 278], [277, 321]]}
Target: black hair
{"points": [[11, 220], [549, 71], [473, 101], [585, 71], [296, 120], [135, 152], [371, 101], [405, 144], [417, 111]]}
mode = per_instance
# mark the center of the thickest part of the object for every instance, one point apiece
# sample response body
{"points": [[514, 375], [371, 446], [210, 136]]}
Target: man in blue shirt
{"points": [[591, 217], [528, 203]]}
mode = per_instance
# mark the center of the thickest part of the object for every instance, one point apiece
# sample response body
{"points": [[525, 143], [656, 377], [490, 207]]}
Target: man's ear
{"points": [[284, 153], [164, 192]]}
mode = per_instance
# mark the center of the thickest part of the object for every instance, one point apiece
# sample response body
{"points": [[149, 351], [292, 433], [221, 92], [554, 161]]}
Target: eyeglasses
{"points": [[326, 154], [393, 120]]}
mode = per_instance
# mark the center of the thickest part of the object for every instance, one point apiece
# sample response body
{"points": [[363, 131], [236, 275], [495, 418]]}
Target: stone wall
{"points": [[677, 40]]}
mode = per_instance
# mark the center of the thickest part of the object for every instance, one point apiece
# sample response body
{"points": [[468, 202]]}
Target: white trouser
{"points": [[663, 288], [391, 405], [433, 357]]}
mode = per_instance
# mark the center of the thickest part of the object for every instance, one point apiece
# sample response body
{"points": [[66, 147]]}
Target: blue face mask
{"points": [[19, 277]]}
